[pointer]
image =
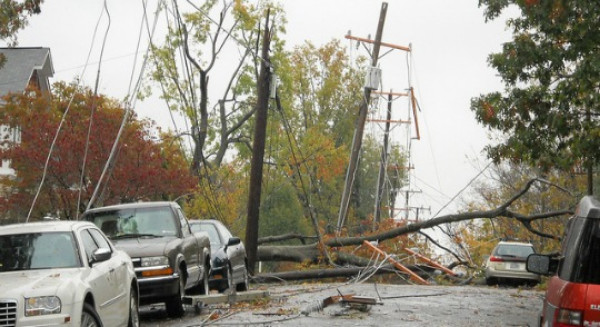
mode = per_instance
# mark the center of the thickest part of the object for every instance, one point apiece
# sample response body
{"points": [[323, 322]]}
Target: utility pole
{"points": [[360, 126], [383, 164], [589, 162], [258, 150]]}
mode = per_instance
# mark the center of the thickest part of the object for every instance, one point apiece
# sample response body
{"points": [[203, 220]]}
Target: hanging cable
{"points": [[464, 188], [303, 187], [128, 108], [63, 118], [94, 103]]}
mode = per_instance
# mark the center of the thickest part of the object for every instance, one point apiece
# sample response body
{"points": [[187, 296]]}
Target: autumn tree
{"points": [[145, 168], [548, 114]]}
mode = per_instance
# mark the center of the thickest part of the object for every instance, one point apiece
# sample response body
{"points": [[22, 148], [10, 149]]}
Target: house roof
{"points": [[20, 66]]}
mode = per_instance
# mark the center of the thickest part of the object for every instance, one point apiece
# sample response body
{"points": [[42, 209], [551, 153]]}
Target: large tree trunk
{"points": [[422, 271]]}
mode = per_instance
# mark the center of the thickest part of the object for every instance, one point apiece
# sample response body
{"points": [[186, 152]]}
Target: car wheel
{"points": [[134, 312], [89, 316], [175, 303], [243, 286]]}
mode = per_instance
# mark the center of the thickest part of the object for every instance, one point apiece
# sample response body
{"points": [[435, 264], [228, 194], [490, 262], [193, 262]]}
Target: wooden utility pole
{"points": [[589, 162], [258, 150], [360, 126]]}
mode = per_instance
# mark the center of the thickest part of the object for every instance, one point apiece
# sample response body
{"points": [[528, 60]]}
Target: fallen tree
{"points": [[423, 271], [315, 252]]}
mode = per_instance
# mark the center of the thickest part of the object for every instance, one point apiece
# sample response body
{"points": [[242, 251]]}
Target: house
{"points": [[22, 68]]}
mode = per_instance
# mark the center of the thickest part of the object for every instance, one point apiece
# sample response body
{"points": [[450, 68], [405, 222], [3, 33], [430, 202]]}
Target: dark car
{"points": [[229, 267], [168, 258]]}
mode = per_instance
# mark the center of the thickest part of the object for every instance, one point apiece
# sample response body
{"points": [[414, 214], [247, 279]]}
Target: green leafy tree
{"points": [[548, 114], [312, 132], [14, 16], [198, 36]]}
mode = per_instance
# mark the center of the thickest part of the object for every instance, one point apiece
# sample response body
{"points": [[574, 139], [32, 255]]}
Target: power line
{"points": [[128, 108], [94, 99], [464, 188], [63, 118]]}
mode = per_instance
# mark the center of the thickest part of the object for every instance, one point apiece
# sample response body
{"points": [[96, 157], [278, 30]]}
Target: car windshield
{"points": [[514, 250], [211, 230], [139, 222], [38, 251]]}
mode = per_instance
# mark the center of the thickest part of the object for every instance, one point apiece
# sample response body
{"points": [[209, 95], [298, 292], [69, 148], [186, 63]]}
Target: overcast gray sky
{"points": [[450, 42]]}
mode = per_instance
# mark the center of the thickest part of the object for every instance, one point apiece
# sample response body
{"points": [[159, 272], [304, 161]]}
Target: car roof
{"points": [[44, 227], [135, 205], [588, 207], [514, 243], [210, 221]]}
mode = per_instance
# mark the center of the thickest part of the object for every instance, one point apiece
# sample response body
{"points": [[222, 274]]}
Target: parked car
{"points": [[64, 273], [168, 257], [507, 263], [573, 292], [229, 266]]}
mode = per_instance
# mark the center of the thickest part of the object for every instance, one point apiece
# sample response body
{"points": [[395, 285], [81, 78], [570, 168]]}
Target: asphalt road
{"points": [[400, 305]]}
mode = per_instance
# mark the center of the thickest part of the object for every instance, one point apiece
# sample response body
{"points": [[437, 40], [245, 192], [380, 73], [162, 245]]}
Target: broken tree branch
{"points": [[311, 253]]}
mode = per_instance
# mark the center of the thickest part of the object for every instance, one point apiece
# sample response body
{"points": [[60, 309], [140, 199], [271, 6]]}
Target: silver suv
{"points": [[507, 263]]}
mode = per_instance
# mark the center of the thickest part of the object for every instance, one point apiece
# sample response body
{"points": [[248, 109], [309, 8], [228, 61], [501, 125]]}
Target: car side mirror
{"points": [[101, 254], [234, 241], [542, 264]]}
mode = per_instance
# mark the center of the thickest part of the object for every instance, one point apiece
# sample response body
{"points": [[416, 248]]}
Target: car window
{"points": [[581, 252], [38, 251], [99, 239], [590, 255], [514, 250], [185, 227], [225, 233], [211, 230], [570, 248], [89, 244], [154, 221]]}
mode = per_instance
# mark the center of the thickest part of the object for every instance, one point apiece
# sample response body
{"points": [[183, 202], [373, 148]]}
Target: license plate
{"points": [[515, 266]]}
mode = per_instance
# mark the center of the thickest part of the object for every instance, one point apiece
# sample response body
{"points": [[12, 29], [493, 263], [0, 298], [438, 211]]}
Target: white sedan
{"points": [[64, 273]]}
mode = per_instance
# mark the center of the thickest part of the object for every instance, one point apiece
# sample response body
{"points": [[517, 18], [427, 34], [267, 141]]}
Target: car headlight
{"points": [[156, 266], [42, 305], [218, 261], [155, 261]]}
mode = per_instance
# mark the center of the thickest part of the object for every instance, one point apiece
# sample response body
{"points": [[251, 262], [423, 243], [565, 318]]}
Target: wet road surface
{"points": [[400, 305]]}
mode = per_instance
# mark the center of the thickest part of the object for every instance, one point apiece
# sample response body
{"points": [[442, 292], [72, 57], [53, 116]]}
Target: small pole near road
{"points": [[397, 264], [258, 150], [429, 261]]}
